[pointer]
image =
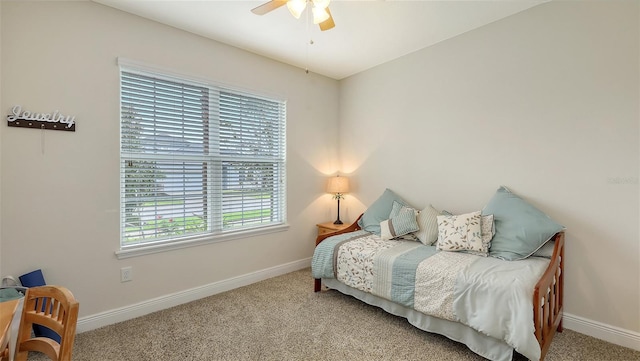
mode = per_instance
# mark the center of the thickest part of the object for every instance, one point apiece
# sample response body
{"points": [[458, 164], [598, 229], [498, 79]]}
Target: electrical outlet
{"points": [[126, 274]]}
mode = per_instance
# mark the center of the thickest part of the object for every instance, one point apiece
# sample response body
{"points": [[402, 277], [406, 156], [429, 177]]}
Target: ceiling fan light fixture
{"points": [[319, 15], [296, 7], [320, 10], [323, 4]]}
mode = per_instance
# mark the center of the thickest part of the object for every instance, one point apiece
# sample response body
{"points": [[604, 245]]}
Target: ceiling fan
{"points": [[321, 14]]}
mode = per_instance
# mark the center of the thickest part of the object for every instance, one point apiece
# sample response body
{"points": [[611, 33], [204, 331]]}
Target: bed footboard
{"points": [[317, 285], [547, 298]]}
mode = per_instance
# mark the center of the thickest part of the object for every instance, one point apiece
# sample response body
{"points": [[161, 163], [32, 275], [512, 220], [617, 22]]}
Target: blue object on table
{"points": [[34, 279]]}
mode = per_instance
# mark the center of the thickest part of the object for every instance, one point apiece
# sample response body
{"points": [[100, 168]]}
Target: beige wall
{"points": [[544, 102], [60, 205]]}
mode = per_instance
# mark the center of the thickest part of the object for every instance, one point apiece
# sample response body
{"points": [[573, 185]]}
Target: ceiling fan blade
{"points": [[269, 6], [327, 24]]}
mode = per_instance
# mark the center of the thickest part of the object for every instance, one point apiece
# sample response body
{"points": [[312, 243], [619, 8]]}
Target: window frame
{"points": [[212, 235]]}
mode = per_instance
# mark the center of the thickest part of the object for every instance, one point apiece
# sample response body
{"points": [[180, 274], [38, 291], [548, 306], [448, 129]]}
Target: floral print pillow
{"points": [[488, 230], [461, 233]]}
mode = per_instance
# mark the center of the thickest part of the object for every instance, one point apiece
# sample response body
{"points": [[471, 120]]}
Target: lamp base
{"points": [[338, 221]]}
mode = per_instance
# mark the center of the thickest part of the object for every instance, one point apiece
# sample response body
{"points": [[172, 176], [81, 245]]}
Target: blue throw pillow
{"points": [[379, 211], [521, 229]]}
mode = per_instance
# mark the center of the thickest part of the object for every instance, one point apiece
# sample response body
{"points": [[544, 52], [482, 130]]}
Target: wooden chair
{"points": [[56, 308]]}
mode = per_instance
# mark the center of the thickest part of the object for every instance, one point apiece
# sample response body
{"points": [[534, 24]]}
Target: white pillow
{"points": [[460, 232], [488, 230], [403, 222]]}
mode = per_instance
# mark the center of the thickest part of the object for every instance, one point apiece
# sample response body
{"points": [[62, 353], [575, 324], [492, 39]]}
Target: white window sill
{"points": [[136, 251]]}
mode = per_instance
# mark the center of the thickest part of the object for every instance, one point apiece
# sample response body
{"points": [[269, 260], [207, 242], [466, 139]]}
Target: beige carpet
{"points": [[282, 319]]}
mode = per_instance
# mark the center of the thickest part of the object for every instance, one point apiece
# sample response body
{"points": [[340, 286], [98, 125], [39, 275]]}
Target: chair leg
{"points": [[21, 356]]}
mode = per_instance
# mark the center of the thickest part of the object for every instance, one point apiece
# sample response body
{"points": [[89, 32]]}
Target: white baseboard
{"points": [[602, 331], [106, 318]]}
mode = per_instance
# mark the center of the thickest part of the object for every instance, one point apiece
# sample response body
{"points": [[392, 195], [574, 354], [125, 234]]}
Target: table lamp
{"points": [[338, 186]]}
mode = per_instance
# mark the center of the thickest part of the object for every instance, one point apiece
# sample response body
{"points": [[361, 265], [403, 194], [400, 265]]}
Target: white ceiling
{"points": [[367, 33]]}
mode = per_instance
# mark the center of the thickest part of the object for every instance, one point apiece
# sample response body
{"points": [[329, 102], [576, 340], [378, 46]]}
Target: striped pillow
{"points": [[402, 222], [428, 223]]}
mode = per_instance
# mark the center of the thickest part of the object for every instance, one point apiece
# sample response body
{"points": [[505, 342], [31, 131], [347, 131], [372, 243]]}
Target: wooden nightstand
{"points": [[328, 227]]}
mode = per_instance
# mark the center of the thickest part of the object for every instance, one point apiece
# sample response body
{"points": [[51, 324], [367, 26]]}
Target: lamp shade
{"points": [[321, 4], [338, 185], [296, 7], [319, 15]]}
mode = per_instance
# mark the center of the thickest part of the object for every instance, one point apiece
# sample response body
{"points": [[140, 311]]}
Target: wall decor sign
{"points": [[27, 119]]}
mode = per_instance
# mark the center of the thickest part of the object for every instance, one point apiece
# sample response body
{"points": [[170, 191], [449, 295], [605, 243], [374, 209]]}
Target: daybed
{"points": [[506, 297]]}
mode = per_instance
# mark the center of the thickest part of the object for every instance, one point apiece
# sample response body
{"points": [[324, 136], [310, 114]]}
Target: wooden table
{"points": [[328, 227], [7, 310]]}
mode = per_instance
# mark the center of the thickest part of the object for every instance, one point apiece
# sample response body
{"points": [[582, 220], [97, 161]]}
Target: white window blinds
{"points": [[197, 160]]}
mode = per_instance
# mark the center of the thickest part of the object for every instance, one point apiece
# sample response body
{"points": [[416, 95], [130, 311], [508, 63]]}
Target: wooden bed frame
{"points": [[547, 295]]}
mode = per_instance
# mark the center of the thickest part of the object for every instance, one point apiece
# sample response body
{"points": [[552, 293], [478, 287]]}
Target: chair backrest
{"points": [[53, 307]]}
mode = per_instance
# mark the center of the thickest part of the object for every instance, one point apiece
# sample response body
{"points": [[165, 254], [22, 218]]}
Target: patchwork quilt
{"points": [[490, 295]]}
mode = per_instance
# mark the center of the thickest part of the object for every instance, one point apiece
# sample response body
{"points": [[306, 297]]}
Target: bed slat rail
{"points": [[547, 298]]}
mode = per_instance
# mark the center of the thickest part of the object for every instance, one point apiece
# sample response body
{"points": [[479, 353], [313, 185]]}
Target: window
{"points": [[198, 161]]}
